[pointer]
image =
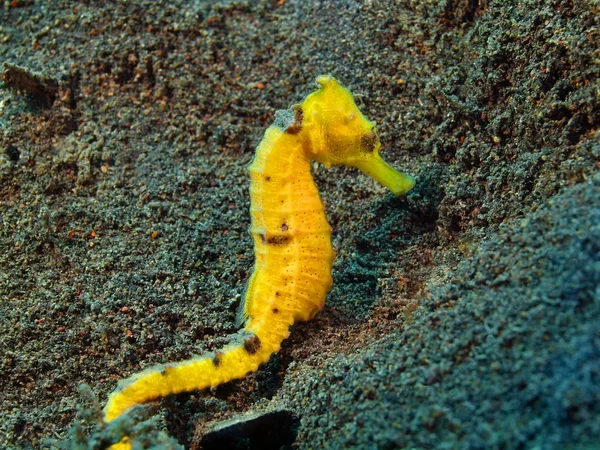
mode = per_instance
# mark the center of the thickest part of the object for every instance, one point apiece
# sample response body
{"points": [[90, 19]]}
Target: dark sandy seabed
{"points": [[466, 315]]}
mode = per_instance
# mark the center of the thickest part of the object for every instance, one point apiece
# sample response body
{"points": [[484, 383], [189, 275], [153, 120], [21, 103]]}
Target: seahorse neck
{"points": [[281, 151]]}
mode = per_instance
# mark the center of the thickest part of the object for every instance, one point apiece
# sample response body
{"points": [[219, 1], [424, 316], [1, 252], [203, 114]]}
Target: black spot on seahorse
{"points": [[252, 345], [165, 370], [278, 239], [216, 360], [296, 127], [369, 141]]}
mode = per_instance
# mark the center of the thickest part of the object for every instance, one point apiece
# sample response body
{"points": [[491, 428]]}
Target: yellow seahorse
{"points": [[292, 241]]}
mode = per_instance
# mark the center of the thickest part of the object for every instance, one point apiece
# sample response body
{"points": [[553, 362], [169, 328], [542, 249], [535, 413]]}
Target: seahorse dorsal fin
{"points": [[243, 312]]}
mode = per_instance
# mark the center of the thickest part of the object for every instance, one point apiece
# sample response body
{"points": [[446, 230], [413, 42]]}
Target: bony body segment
{"points": [[292, 241]]}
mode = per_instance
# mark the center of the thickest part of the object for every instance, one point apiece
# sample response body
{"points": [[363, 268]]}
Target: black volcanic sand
{"points": [[466, 315]]}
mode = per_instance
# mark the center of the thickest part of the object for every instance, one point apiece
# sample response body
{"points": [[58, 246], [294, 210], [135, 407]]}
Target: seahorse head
{"points": [[339, 134]]}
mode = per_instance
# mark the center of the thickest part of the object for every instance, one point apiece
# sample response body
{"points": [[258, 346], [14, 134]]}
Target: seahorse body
{"points": [[292, 272]]}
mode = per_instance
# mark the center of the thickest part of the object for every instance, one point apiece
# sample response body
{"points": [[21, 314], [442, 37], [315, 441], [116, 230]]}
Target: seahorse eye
{"points": [[369, 141]]}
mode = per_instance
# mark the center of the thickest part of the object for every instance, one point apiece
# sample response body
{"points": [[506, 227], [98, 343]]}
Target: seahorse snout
{"points": [[375, 167]]}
